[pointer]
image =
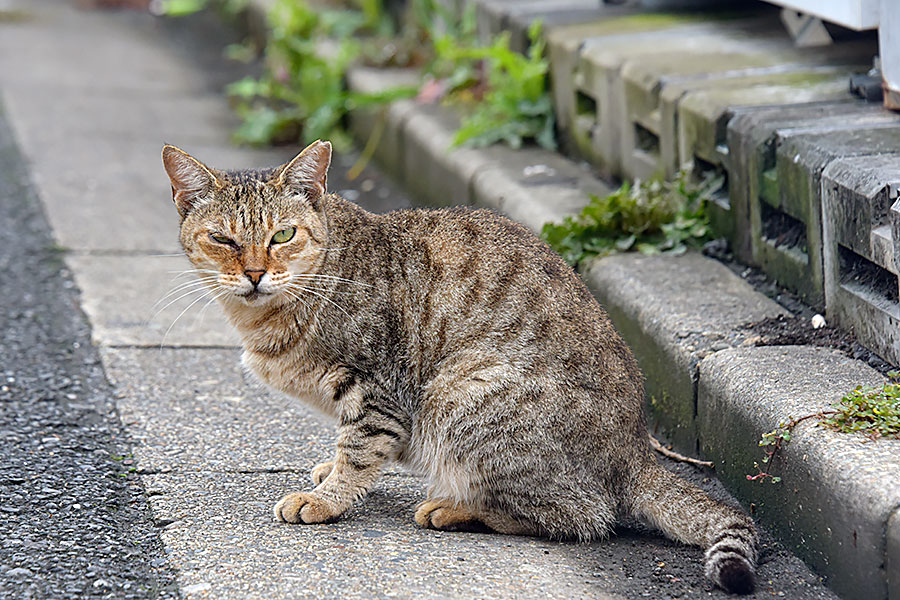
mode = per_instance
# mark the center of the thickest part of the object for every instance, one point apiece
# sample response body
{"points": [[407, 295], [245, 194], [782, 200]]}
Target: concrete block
{"points": [[674, 311], [837, 490], [788, 246], [125, 299], [533, 186], [194, 409], [750, 139], [601, 122], [861, 288], [649, 139], [382, 126], [574, 96], [695, 120]]}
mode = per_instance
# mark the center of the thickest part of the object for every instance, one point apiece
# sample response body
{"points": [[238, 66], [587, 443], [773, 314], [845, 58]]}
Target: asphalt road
{"points": [[76, 520]]}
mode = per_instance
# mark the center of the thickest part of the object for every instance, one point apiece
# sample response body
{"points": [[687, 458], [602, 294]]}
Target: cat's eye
{"points": [[285, 235], [221, 239]]}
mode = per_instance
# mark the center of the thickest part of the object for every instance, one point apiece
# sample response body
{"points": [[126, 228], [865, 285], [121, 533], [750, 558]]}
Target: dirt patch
{"points": [[798, 331]]}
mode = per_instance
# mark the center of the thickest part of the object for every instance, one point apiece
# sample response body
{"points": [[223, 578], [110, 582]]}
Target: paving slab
{"points": [[125, 300], [109, 193], [220, 534], [674, 311], [195, 409], [839, 490], [184, 117], [97, 56]]}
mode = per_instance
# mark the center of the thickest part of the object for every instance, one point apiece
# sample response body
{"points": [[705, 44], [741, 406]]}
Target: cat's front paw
{"points": [[303, 507], [321, 471]]}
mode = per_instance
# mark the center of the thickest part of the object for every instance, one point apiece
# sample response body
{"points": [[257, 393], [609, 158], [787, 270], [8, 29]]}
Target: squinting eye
{"points": [[222, 239], [285, 235]]}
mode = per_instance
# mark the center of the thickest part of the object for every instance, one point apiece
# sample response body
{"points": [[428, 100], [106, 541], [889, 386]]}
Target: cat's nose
{"points": [[254, 276]]}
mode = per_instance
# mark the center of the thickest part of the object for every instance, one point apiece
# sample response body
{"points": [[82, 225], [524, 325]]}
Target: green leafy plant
{"points": [[651, 217], [872, 411], [503, 94], [302, 94]]}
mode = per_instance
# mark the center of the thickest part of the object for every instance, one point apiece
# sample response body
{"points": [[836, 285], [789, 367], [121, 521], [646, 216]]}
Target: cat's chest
{"points": [[293, 376]]}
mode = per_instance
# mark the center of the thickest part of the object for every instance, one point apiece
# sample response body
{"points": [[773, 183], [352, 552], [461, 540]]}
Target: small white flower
{"points": [[818, 321]]}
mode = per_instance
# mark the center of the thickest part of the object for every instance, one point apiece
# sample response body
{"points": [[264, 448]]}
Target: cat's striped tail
{"points": [[685, 513]]}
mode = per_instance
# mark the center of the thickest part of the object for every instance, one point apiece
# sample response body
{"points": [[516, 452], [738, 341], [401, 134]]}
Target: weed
{"points": [[872, 411], [303, 93], [504, 94], [652, 217]]}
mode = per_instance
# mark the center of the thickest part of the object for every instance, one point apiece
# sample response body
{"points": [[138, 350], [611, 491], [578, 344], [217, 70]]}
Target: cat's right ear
{"points": [[191, 179]]}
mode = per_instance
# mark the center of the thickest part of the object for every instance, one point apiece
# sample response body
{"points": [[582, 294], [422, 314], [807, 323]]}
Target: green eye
{"points": [[285, 235], [221, 239]]}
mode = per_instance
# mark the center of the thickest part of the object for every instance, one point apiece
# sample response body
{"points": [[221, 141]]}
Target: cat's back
{"points": [[476, 280]]}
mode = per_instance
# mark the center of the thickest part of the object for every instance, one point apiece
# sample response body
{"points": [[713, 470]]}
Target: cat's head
{"points": [[253, 235]]}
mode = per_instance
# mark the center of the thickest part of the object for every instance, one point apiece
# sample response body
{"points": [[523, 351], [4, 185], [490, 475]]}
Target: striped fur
{"points": [[451, 341]]}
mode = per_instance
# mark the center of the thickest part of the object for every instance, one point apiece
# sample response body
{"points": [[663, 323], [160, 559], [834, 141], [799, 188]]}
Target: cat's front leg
{"points": [[365, 442]]}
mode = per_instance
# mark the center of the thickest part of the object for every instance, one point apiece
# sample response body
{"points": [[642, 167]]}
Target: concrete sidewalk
{"points": [[92, 96]]}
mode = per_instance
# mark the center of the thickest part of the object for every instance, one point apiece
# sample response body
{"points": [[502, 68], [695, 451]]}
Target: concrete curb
{"points": [[683, 316]]}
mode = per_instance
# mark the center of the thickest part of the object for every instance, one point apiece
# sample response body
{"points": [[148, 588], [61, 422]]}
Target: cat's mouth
{"points": [[254, 296]]}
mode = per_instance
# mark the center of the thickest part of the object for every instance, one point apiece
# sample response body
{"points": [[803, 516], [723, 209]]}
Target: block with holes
{"points": [[785, 204], [751, 138], [861, 239], [695, 122]]}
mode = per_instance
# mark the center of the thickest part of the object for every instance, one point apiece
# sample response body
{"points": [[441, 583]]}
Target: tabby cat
{"points": [[452, 341]]}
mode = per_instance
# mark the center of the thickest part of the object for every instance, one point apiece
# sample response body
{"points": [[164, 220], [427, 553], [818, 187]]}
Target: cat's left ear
{"points": [[307, 173]]}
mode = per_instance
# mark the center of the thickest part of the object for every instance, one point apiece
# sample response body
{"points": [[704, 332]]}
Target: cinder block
{"points": [[755, 50], [788, 243], [751, 142], [601, 112], [695, 121], [860, 250], [574, 92]]}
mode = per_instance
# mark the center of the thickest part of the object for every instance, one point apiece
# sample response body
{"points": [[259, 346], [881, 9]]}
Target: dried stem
{"points": [[677, 456]]}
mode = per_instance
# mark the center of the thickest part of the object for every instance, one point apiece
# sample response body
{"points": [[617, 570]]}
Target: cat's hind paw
{"points": [[321, 471], [303, 507], [448, 516]]}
